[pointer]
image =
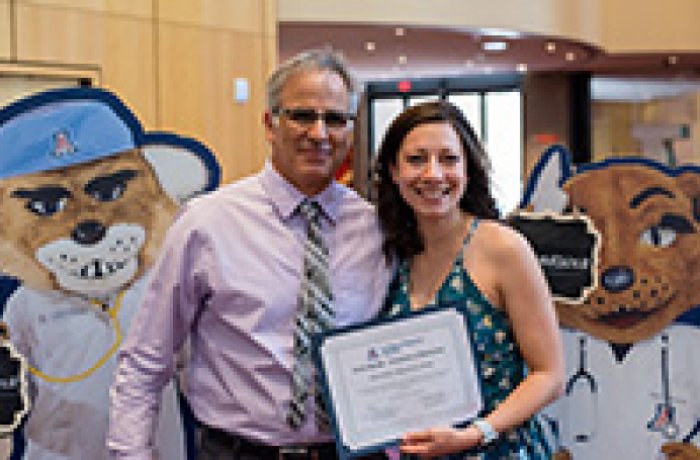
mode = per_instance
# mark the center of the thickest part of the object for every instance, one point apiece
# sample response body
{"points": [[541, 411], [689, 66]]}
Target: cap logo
{"points": [[62, 144]]}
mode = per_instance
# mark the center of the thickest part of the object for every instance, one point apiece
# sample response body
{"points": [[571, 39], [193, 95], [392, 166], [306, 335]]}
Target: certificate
{"points": [[408, 373]]}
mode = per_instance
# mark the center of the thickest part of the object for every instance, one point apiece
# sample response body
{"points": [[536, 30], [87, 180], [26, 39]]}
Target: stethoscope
{"points": [[581, 380], [693, 432], [664, 418], [113, 318]]}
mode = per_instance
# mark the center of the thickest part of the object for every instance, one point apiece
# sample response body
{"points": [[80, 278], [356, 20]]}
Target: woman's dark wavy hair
{"points": [[401, 235]]}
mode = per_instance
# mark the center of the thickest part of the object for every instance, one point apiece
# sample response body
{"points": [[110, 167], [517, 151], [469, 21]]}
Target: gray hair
{"points": [[316, 59]]}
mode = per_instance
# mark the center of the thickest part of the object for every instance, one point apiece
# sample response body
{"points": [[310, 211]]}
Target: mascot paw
{"points": [[680, 451]]}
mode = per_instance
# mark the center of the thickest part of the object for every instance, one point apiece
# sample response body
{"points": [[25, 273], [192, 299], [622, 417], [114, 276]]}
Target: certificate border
{"points": [[345, 452]]}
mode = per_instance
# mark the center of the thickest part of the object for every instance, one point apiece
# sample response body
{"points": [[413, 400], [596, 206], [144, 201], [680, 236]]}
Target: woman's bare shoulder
{"points": [[499, 240]]}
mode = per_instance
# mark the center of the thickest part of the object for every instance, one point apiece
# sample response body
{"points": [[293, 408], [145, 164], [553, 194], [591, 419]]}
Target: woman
{"points": [[440, 221]]}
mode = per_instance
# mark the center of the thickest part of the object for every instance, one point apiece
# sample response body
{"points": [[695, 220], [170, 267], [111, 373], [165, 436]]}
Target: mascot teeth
{"points": [[97, 269], [103, 267]]}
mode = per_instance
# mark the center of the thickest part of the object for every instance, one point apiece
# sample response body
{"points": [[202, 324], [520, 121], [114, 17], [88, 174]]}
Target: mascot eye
{"points": [[111, 187], [659, 237], [663, 234], [44, 201], [47, 207], [109, 193]]}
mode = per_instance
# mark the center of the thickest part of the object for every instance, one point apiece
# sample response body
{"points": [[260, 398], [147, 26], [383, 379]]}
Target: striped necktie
{"points": [[315, 314]]}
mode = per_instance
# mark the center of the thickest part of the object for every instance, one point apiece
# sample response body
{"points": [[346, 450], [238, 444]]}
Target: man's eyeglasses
{"points": [[306, 117]]}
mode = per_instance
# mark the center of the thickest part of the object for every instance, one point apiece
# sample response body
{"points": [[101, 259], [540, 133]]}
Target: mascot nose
{"points": [[88, 232], [616, 279]]}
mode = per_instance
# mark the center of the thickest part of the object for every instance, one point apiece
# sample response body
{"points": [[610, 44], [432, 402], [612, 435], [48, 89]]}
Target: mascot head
{"points": [[85, 194], [647, 216]]}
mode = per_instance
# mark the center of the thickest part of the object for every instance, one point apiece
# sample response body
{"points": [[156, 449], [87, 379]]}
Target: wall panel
{"points": [[138, 8], [656, 26], [197, 68], [121, 46], [5, 30], [240, 15], [269, 33]]}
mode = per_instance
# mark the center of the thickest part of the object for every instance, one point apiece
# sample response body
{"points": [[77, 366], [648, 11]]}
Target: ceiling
{"points": [[382, 52]]}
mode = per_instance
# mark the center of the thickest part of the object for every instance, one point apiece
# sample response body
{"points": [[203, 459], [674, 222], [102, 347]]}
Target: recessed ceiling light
{"points": [[570, 56], [403, 59], [522, 68], [488, 70], [370, 46], [500, 33], [400, 31], [550, 47], [469, 63], [672, 60], [494, 46]]}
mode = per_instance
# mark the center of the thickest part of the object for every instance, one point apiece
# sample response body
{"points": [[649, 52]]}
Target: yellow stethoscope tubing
{"points": [[112, 312]]}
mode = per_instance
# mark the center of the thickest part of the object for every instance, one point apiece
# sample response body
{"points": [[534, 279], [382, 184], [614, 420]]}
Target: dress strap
{"points": [[472, 230]]}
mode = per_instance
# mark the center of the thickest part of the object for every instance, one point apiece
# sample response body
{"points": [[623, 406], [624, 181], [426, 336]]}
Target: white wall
{"points": [[615, 25]]}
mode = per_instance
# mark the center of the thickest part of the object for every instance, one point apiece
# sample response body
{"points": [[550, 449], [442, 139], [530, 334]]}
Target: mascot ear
{"points": [[185, 168], [544, 186]]}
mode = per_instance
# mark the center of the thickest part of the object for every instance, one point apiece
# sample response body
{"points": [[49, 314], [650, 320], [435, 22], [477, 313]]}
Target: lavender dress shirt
{"points": [[227, 280]]}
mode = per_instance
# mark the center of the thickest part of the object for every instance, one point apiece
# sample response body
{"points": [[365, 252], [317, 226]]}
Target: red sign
{"points": [[404, 86]]}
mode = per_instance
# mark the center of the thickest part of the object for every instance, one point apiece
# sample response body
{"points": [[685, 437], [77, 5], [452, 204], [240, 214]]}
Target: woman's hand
{"points": [[440, 441]]}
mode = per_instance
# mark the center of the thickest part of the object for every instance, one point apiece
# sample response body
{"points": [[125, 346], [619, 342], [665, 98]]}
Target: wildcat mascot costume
{"points": [[85, 199], [626, 276]]}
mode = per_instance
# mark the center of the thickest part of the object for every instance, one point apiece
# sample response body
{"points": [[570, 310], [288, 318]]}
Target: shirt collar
{"points": [[286, 198]]}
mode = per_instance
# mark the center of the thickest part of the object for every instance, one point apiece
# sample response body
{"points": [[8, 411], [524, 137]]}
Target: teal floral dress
{"points": [[500, 364]]}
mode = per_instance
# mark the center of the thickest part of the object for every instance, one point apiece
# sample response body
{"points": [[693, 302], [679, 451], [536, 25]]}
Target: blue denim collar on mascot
{"points": [[64, 127]]}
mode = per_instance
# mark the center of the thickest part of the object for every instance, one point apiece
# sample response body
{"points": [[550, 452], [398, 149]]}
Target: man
{"points": [[229, 279]]}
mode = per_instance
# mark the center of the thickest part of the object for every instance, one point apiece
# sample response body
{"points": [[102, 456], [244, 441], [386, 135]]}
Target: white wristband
{"points": [[487, 431]]}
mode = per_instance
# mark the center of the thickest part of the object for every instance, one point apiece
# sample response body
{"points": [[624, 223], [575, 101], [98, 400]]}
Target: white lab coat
{"points": [[615, 420], [62, 336]]}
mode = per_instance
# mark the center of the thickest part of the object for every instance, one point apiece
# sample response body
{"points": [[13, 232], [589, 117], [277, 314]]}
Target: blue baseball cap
{"points": [[59, 128]]}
